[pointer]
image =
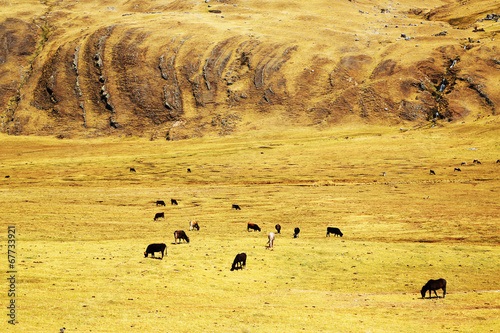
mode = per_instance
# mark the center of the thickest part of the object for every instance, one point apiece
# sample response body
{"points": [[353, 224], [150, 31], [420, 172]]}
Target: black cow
{"points": [[159, 216], [476, 161], [132, 169], [160, 203], [296, 232], [236, 207], [253, 226], [457, 169], [180, 235], [335, 231], [189, 170], [432, 172], [239, 262], [173, 202], [152, 248], [433, 285], [278, 228], [498, 161]]}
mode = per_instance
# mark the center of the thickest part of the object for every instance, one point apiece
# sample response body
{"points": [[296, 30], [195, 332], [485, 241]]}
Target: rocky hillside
{"points": [[177, 69]]}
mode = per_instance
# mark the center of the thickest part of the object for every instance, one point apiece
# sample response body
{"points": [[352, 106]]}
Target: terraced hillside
{"points": [[180, 69]]}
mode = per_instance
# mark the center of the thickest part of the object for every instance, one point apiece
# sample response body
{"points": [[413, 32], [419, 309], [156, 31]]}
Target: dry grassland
{"points": [[83, 221]]}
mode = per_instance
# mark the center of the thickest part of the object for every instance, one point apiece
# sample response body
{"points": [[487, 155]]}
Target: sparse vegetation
{"points": [[310, 114], [84, 220]]}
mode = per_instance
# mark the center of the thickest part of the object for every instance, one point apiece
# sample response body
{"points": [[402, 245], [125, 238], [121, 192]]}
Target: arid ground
{"points": [[310, 114], [83, 220]]}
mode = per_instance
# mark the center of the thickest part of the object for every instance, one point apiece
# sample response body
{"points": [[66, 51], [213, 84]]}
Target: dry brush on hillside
{"points": [[181, 69]]}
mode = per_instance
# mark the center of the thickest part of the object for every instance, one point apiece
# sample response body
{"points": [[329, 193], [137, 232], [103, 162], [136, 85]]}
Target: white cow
{"points": [[270, 242], [193, 225]]}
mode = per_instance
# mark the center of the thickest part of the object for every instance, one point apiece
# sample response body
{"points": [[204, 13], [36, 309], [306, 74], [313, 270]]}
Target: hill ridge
{"points": [[184, 69]]}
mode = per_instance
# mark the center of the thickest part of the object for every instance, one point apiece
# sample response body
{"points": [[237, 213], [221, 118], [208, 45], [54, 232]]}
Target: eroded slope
{"points": [[178, 69]]}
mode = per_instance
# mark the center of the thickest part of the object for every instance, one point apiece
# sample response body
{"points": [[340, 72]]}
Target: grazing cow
{"points": [[253, 226], [498, 161], [132, 169], [189, 170], [160, 203], [296, 232], [457, 169], [180, 235], [159, 216], [193, 225], [464, 163], [240, 261], [152, 248], [173, 202], [236, 207], [278, 228], [335, 231], [433, 285], [477, 162], [432, 172], [270, 242]]}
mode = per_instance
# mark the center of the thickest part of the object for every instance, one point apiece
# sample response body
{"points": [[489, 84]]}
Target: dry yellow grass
{"points": [[83, 221]]}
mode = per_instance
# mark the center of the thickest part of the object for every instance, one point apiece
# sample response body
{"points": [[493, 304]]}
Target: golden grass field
{"points": [[83, 221]]}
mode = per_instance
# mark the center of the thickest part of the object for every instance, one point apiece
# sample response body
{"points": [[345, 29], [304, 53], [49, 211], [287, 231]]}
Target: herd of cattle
{"points": [[240, 260]]}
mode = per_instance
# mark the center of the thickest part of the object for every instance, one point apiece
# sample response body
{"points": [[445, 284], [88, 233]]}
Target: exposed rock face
{"points": [[167, 79]]}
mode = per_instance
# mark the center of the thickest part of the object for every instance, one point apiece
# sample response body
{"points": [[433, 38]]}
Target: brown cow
{"points": [[180, 235], [253, 226]]}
